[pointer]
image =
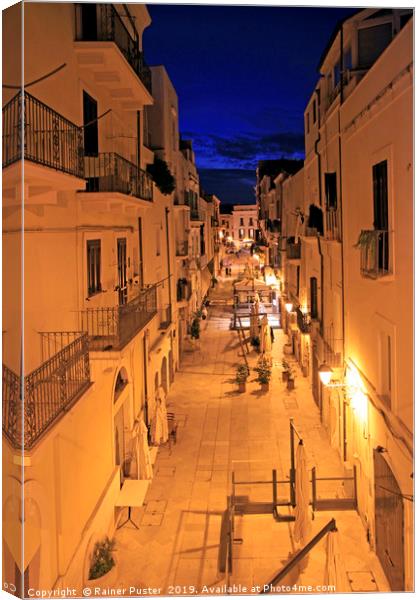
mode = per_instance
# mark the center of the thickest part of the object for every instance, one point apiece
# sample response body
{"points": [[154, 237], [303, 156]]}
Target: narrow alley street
{"points": [[177, 545]]}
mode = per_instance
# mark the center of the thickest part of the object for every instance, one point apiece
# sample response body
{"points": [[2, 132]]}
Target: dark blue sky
{"points": [[243, 77]]}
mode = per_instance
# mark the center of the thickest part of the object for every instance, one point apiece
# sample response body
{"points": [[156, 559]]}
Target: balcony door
{"points": [[90, 125], [88, 21], [380, 212], [122, 270]]}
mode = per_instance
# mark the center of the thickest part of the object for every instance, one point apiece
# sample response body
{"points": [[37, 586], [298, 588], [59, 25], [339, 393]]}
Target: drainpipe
{"points": [[341, 226], [341, 184], [318, 95], [168, 258], [138, 140]]}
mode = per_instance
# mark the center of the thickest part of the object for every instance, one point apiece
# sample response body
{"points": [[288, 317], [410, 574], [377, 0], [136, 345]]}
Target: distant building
{"points": [[244, 225]]}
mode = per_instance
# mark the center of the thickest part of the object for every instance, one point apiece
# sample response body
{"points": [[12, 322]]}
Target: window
{"points": [[241, 221], [251, 222], [314, 111], [250, 233], [158, 241], [386, 368], [241, 233], [314, 298], [90, 131], [372, 41], [307, 122], [94, 267], [330, 180], [336, 74], [380, 212]]}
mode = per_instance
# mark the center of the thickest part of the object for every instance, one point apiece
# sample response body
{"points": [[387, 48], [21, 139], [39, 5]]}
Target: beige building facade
{"points": [[347, 268], [103, 252]]}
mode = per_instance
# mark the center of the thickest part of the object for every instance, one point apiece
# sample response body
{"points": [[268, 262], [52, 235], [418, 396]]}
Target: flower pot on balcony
{"points": [[242, 387], [264, 387], [285, 376]]}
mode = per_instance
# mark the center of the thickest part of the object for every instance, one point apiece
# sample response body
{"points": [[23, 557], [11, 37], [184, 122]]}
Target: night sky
{"points": [[243, 77]]}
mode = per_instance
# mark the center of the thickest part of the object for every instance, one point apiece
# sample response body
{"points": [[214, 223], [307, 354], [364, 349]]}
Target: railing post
{"points": [[313, 489], [292, 464]]}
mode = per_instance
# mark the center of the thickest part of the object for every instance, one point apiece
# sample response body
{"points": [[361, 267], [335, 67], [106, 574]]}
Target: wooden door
{"points": [[389, 523]]}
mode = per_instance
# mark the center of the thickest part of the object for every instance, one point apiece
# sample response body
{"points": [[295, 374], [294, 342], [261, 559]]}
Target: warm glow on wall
{"points": [[289, 306], [271, 280], [357, 394]]}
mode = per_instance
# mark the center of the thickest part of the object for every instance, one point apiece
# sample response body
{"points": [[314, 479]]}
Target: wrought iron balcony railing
{"points": [[197, 214], [183, 290], [34, 131], [273, 225], [110, 28], [31, 405], [112, 327], [165, 317], [110, 172], [293, 250], [374, 253], [303, 321]]}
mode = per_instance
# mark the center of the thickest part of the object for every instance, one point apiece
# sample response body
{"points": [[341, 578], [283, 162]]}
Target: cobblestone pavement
{"points": [[176, 546]]}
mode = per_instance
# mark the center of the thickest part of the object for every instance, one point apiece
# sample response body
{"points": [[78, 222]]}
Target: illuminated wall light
{"points": [[289, 306], [325, 373]]}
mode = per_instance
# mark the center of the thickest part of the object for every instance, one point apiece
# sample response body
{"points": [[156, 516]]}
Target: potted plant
{"points": [[195, 328], [255, 343], [286, 370], [102, 560], [242, 373], [291, 380], [263, 369]]}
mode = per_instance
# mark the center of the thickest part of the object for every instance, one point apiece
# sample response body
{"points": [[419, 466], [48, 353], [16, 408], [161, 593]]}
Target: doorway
{"points": [[389, 523], [122, 270]]}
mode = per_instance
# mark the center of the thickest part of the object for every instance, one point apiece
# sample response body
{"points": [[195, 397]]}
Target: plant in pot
{"points": [[242, 373], [255, 343], [263, 369], [102, 560], [195, 328], [291, 380], [286, 370]]}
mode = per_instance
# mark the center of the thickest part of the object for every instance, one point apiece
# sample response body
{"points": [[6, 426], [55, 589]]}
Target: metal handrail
{"points": [[34, 131], [112, 327], [31, 405], [110, 172], [110, 28], [374, 253], [330, 526]]}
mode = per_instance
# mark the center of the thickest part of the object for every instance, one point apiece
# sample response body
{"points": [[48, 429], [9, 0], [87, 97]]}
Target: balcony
{"points": [[293, 250], [374, 253], [303, 321], [110, 172], [108, 26], [182, 249], [273, 225], [112, 327], [332, 225], [197, 214], [48, 392], [183, 290], [165, 317], [49, 139]]}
